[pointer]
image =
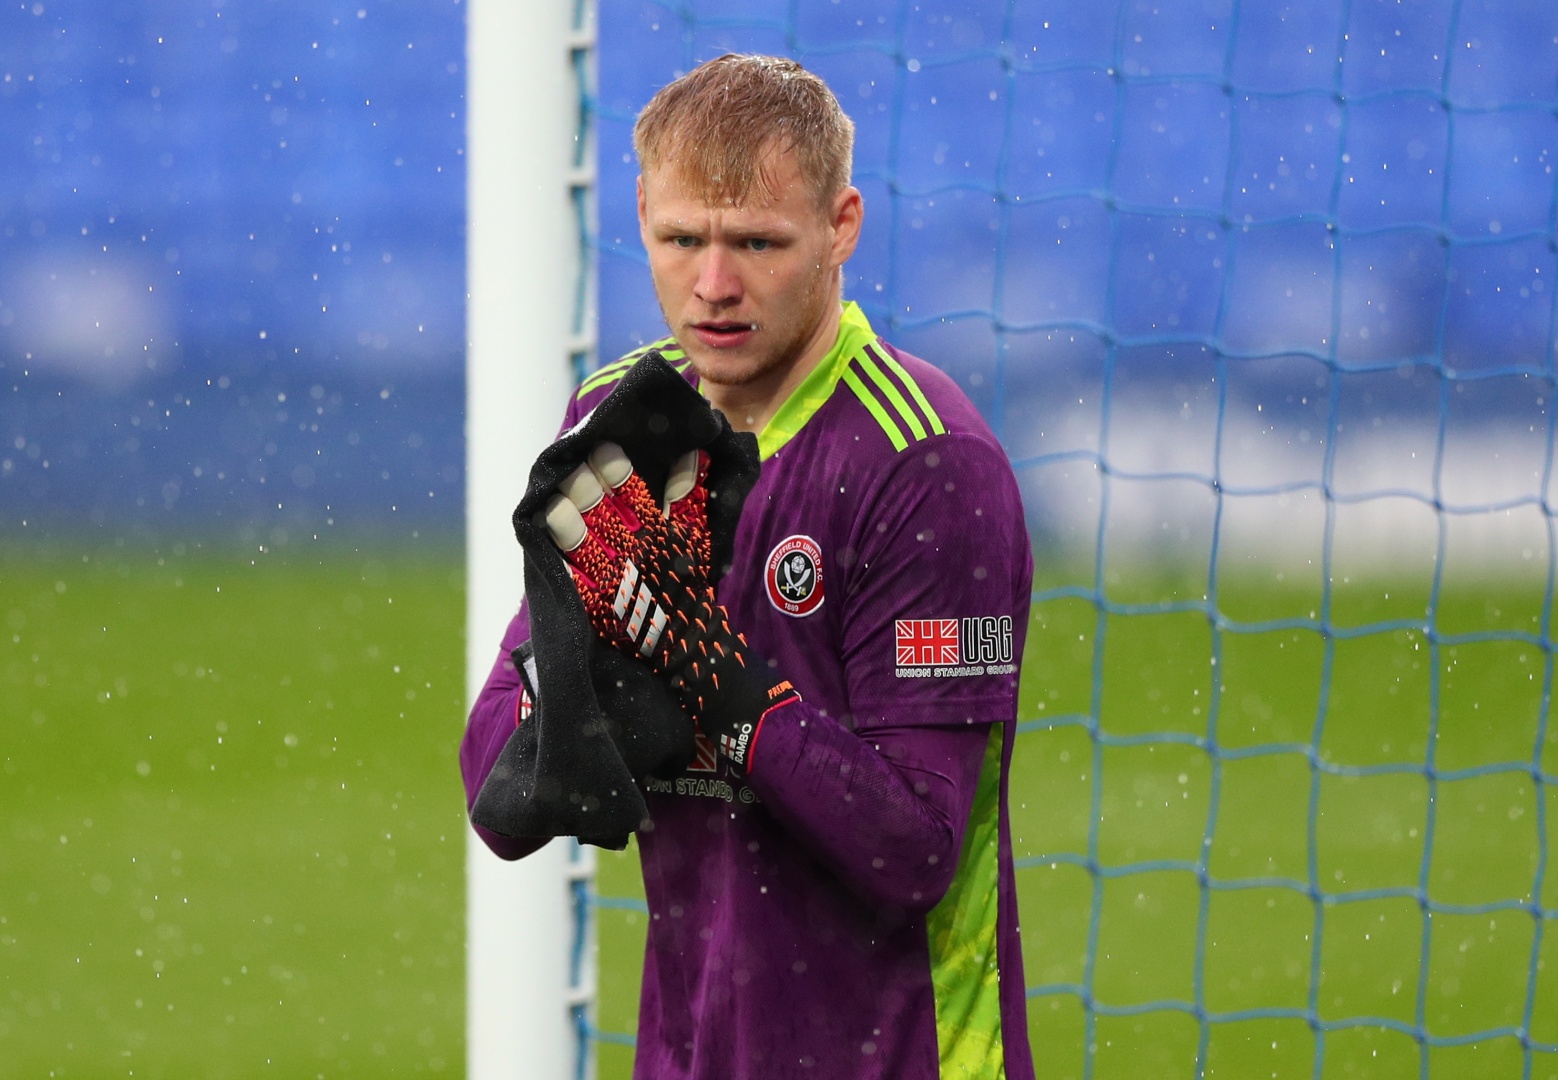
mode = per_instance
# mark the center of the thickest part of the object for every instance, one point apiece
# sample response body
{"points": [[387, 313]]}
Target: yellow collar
{"points": [[855, 334]]}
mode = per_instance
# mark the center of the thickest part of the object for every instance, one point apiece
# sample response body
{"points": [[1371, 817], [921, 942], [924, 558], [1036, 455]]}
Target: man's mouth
{"points": [[723, 334]]}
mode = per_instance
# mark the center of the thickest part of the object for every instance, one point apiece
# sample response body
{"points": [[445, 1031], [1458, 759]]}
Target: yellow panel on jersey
{"points": [[860, 363], [962, 934], [855, 334]]}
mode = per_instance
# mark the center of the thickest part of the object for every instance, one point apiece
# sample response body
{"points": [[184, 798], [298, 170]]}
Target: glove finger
{"points": [[687, 500], [611, 464], [595, 568], [602, 516], [563, 522], [686, 473], [582, 488], [627, 489]]}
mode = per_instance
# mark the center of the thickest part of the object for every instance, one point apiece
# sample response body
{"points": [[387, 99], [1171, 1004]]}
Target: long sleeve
{"points": [[883, 802], [493, 719], [885, 810]]}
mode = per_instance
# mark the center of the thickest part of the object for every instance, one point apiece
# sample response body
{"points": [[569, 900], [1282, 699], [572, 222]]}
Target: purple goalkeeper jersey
{"points": [[847, 908]]}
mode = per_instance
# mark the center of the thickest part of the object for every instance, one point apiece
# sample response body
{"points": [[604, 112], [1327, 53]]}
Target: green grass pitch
{"points": [[233, 840], [232, 831], [1257, 945]]}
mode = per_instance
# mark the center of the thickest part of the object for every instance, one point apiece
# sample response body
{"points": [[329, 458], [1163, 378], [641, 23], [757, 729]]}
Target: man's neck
{"points": [[750, 406]]}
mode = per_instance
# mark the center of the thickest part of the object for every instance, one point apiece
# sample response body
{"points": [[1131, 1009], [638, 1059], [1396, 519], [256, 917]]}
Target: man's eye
{"points": [[759, 244], [684, 241]]}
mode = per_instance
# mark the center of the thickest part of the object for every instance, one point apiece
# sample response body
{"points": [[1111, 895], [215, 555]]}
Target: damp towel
{"points": [[603, 720]]}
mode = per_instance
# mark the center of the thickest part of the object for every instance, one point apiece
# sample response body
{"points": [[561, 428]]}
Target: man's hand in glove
{"points": [[644, 576]]}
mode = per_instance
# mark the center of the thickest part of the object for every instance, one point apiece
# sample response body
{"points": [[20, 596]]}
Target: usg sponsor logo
{"points": [[950, 648]]}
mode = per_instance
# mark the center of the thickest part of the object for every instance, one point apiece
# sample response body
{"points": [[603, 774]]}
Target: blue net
{"points": [[1260, 299]]}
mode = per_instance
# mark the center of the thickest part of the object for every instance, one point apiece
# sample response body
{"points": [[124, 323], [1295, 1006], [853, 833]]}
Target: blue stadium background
{"points": [[1242, 286], [231, 296]]}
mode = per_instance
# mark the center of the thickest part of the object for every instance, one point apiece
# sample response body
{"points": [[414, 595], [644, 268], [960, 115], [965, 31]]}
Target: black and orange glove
{"points": [[643, 572]]}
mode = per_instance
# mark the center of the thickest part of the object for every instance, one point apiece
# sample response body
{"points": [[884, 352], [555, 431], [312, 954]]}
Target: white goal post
{"points": [[523, 267]]}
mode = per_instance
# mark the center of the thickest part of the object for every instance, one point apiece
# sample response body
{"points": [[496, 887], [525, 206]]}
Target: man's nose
{"points": [[719, 279]]}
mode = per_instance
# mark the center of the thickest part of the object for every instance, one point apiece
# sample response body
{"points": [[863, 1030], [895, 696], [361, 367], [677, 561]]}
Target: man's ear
{"points": [[846, 216], [641, 214]]}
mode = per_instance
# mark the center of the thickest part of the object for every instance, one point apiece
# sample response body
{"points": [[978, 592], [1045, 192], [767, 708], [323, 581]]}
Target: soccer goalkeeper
{"points": [[830, 879]]}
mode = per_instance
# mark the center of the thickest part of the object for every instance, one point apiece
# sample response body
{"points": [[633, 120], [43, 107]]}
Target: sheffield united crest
{"points": [[794, 576]]}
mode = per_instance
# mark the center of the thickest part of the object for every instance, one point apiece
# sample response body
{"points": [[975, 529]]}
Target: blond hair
{"points": [[718, 125]]}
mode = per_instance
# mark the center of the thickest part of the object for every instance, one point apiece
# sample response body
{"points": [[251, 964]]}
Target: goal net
{"points": [[1259, 298]]}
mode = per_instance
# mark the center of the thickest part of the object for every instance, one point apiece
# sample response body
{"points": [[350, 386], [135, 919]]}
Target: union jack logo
{"points": [[924, 642]]}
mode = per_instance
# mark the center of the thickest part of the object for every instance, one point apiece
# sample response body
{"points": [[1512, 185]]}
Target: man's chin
{"points": [[721, 375], [723, 369]]}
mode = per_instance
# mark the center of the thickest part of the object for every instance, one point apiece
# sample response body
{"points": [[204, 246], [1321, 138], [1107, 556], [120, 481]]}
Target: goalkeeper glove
{"points": [[643, 573]]}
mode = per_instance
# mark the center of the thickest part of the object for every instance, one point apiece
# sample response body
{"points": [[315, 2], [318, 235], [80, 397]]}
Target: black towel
{"points": [[603, 720]]}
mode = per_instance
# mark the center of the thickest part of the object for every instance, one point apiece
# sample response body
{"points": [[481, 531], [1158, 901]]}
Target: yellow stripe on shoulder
{"points": [[606, 375], [874, 407], [919, 395], [614, 371], [885, 400]]}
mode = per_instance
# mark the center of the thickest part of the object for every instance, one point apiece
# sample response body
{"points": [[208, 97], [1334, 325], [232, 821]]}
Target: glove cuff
{"points": [[730, 717]]}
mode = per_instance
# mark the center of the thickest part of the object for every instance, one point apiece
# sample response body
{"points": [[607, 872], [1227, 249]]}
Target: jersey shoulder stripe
{"points": [[874, 407], [893, 397], [913, 387], [614, 371]]}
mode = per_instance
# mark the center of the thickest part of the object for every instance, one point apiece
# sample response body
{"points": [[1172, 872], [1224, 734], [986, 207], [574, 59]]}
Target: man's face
{"points": [[749, 290]]}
